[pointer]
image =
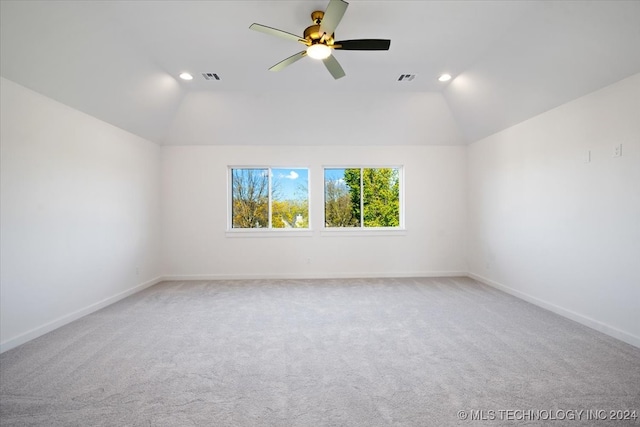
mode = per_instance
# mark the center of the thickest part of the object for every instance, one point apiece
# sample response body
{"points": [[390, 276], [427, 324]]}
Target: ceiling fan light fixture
{"points": [[319, 39], [319, 51]]}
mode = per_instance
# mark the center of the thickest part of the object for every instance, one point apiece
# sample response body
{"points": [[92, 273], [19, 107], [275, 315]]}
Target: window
{"points": [[269, 198], [362, 197]]}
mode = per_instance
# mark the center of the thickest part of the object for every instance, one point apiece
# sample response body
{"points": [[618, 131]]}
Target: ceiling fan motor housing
{"points": [[313, 34]]}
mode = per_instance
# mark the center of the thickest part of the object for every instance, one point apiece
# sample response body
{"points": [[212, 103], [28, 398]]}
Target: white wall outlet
{"points": [[587, 156], [617, 150]]}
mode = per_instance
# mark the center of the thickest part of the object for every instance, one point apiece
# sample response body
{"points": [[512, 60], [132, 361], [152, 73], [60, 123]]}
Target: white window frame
{"points": [[362, 230], [265, 231]]}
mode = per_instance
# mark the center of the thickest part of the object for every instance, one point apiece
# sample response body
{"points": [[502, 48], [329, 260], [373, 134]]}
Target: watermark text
{"points": [[548, 415]]}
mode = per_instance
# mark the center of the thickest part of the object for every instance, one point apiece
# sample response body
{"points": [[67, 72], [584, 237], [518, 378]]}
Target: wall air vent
{"points": [[406, 77], [210, 76]]}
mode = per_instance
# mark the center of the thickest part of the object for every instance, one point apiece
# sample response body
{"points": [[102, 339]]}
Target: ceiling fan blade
{"points": [[276, 32], [334, 67], [363, 44], [332, 16], [290, 60]]}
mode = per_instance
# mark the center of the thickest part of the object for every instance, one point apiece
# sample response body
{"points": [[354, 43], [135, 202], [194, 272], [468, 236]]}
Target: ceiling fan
{"points": [[319, 39]]}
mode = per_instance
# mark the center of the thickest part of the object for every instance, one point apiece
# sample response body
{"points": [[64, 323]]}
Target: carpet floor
{"points": [[348, 352]]}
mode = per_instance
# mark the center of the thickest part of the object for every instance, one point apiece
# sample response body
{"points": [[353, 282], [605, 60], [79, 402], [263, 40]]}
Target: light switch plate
{"points": [[617, 150]]}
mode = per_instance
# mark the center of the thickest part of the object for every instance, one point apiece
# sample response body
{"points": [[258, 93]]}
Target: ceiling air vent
{"points": [[406, 77], [210, 76]]}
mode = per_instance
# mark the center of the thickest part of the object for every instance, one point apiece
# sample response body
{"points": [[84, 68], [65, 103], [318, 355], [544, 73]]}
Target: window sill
{"points": [[328, 232], [362, 232], [282, 232]]}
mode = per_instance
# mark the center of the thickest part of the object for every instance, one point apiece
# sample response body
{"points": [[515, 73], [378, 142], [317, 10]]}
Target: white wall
{"points": [[79, 214], [340, 118], [85, 205], [555, 230], [195, 215]]}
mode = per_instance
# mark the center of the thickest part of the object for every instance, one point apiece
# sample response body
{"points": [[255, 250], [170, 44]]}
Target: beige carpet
{"points": [[374, 352]]}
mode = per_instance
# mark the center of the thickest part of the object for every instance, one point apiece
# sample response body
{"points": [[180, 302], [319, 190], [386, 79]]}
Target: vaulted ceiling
{"points": [[119, 61]]}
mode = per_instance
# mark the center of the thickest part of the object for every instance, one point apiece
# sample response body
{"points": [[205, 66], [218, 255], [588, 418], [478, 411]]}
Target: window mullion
{"points": [[361, 198], [269, 198]]}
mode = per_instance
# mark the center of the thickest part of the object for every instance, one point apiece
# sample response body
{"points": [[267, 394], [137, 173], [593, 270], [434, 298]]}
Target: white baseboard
{"points": [[577, 317], [68, 318], [325, 275]]}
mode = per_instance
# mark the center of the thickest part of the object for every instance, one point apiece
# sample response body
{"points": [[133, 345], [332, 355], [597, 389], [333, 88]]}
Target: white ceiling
{"points": [[119, 61]]}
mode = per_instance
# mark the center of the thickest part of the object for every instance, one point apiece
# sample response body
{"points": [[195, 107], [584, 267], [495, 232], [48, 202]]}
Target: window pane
{"points": [[250, 198], [381, 197], [289, 198], [342, 197]]}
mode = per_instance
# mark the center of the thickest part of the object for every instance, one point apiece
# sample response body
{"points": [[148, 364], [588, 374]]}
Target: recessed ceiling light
{"points": [[444, 78], [186, 76]]}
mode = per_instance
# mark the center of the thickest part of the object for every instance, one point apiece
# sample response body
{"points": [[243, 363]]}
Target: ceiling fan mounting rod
{"points": [[317, 16]]}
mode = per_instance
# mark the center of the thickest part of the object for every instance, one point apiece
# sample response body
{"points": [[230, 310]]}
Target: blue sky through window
{"points": [[334, 175], [290, 184]]}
